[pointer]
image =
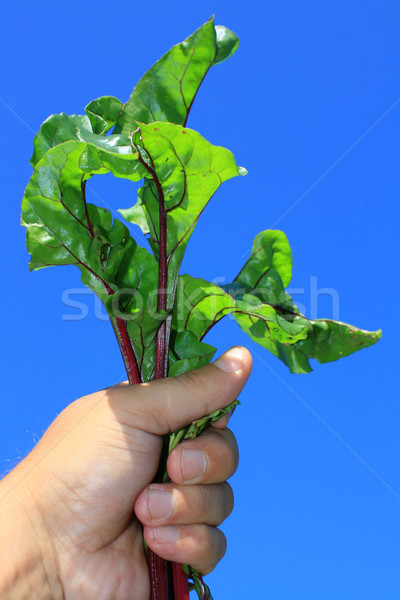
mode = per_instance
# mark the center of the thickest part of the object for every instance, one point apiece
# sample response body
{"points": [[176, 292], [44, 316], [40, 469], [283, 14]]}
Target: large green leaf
{"points": [[63, 229], [259, 303], [54, 209], [54, 205], [268, 271], [200, 305], [166, 92], [183, 171]]}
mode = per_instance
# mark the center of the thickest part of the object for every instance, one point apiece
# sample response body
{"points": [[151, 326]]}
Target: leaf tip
{"points": [[227, 43]]}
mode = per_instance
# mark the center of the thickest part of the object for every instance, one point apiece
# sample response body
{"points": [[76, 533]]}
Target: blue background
{"points": [[317, 507]]}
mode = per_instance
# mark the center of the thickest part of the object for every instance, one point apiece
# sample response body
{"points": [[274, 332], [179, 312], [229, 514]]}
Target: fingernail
{"points": [[161, 503], [193, 464], [231, 361], [165, 535]]}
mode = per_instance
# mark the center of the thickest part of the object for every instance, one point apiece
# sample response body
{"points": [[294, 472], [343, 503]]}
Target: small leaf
{"points": [[103, 113], [227, 43], [271, 256], [187, 353]]}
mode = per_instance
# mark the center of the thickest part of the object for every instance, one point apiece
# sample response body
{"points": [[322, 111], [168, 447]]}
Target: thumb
{"points": [[165, 405]]}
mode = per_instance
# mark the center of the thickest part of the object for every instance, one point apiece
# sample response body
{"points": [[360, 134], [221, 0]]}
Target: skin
{"points": [[74, 512]]}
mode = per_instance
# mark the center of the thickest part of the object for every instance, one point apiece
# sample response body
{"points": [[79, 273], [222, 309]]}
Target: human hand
{"points": [[72, 510]]}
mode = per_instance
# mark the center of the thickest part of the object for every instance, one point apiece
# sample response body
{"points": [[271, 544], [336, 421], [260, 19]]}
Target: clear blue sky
{"points": [[308, 105]]}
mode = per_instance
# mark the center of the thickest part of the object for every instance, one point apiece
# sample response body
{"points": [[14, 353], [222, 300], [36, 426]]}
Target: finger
{"points": [[200, 546], [166, 405], [170, 504], [213, 457]]}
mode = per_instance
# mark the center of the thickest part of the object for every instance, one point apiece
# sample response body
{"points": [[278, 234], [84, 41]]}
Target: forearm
{"points": [[28, 569]]}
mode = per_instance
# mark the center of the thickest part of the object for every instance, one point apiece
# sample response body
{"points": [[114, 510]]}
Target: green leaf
{"points": [[60, 128], [103, 113], [187, 353], [227, 43], [166, 92], [200, 305], [270, 259], [260, 305], [183, 172], [62, 228], [326, 341], [268, 271], [55, 130], [136, 215], [136, 303]]}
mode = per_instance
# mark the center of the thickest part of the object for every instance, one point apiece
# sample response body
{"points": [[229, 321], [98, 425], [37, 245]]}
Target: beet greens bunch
{"points": [[159, 316]]}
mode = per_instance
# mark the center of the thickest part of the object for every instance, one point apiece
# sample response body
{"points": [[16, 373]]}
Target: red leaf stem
{"points": [[158, 571], [128, 355], [160, 575], [181, 583]]}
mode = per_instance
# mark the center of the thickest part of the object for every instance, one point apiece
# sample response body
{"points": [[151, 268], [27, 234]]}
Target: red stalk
{"points": [[158, 571], [128, 355], [181, 583], [160, 575], [161, 366], [119, 325]]}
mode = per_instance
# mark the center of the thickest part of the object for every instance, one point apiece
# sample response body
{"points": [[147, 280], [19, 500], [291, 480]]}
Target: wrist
{"points": [[28, 564]]}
